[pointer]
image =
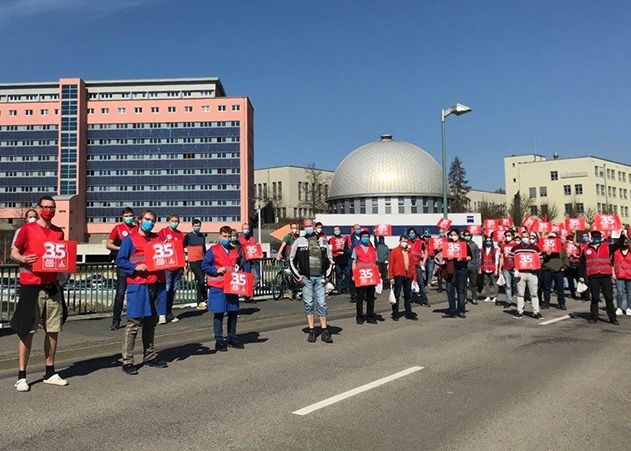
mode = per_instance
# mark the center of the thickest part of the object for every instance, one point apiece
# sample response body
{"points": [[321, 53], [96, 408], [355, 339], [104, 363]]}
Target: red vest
{"points": [[119, 232], [222, 260], [168, 234], [622, 265], [506, 250], [597, 260], [417, 249], [488, 260], [245, 241], [337, 244], [139, 242], [365, 258], [430, 249]]}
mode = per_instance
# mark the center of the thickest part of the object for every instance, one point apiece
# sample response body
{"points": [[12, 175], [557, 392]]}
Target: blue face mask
{"points": [[467, 238], [365, 240], [411, 235], [147, 226], [596, 240], [225, 242], [337, 233], [358, 232], [308, 230], [585, 239], [197, 229], [129, 220], [487, 243]]}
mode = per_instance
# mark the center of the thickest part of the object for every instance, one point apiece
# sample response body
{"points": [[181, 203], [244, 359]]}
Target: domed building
{"points": [[386, 177]]}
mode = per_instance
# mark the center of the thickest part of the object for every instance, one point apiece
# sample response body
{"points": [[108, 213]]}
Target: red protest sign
{"points": [[499, 234], [475, 229], [574, 224], [557, 228], [572, 249], [607, 223], [57, 256], [527, 261], [490, 225], [456, 249], [444, 223], [164, 255], [252, 252], [544, 227], [383, 230], [238, 282], [550, 245], [507, 222], [437, 243], [366, 277], [531, 223]]}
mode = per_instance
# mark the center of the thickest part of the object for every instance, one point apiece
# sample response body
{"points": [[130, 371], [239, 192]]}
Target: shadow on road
{"points": [[249, 311], [333, 330]]}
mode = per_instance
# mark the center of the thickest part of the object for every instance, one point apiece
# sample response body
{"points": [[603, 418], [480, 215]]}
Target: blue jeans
{"points": [[510, 287], [623, 286], [429, 271], [421, 285], [548, 278], [313, 292], [457, 287], [172, 279]]}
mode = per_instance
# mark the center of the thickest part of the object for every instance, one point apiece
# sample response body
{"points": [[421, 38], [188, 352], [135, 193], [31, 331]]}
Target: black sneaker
{"points": [[130, 368], [545, 306], [395, 317], [115, 325], [592, 320], [221, 346], [371, 320], [326, 337], [474, 302], [562, 307], [236, 344], [614, 321], [462, 315], [537, 316], [359, 320], [311, 338], [155, 363], [411, 316], [518, 315]]}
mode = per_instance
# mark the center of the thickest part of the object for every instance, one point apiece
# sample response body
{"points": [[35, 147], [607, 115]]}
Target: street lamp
{"points": [[458, 109]]}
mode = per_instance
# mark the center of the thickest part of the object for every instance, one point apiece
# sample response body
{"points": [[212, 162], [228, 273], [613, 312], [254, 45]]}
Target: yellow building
{"points": [[571, 186]]}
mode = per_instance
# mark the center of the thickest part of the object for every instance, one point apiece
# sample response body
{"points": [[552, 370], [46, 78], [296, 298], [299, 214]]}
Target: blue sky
{"points": [[328, 76]]}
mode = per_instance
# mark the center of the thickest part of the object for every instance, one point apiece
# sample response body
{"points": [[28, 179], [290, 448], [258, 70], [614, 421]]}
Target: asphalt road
{"points": [[488, 382]]}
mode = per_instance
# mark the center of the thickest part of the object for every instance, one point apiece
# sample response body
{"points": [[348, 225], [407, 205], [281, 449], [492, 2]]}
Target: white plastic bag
{"points": [[516, 275], [415, 287], [391, 298], [581, 288], [328, 288], [501, 281], [379, 287]]}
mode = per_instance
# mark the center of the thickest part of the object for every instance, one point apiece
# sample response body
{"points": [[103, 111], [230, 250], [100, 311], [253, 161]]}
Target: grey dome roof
{"points": [[387, 168]]}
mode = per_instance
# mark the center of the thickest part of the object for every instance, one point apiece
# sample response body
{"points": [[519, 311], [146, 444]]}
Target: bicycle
{"points": [[282, 282]]}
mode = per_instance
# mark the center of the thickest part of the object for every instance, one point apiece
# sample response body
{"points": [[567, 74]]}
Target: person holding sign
{"points": [[221, 258], [455, 273], [41, 297], [171, 234], [489, 270], [473, 266], [146, 292], [622, 274], [553, 267], [418, 252], [526, 257], [401, 273], [365, 276], [311, 263], [507, 267], [251, 265], [597, 269]]}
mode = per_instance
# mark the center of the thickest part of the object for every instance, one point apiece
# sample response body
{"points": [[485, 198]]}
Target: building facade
{"points": [[477, 199], [174, 145], [291, 191], [575, 186]]}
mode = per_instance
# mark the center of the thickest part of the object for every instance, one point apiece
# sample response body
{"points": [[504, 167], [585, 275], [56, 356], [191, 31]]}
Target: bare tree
{"points": [[520, 207], [490, 210], [315, 193]]}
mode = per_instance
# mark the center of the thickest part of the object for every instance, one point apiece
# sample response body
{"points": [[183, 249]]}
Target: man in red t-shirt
{"points": [[173, 276], [114, 240], [41, 296]]}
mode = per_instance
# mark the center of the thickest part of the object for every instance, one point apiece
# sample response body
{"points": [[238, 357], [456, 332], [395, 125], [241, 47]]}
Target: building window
{"points": [[188, 109], [236, 107], [171, 109], [122, 110], [388, 205], [155, 109], [13, 112], [567, 190], [554, 175], [138, 110], [105, 111], [414, 208], [351, 207], [221, 108], [543, 191], [45, 112], [299, 190], [205, 108], [280, 190], [362, 206], [578, 189], [568, 209], [532, 192], [401, 205], [580, 209], [533, 210]]}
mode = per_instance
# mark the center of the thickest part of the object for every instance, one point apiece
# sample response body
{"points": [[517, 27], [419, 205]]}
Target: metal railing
{"points": [[93, 287]]}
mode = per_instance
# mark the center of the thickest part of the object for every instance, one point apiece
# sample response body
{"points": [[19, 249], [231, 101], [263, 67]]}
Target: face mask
{"points": [[197, 229], [129, 220], [453, 237], [174, 225], [488, 243], [596, 240], [508, 239], [358, 232], [319, 230], [147, 226], [365, 240], [337, 233], [533, 240], [246, 232], [308, 230], [47, 215], [525, 240], [31, 219], [467, 238], [225, 242], [411, 235], [585, 239], [404, 245], [234, 239], [294, 231]]}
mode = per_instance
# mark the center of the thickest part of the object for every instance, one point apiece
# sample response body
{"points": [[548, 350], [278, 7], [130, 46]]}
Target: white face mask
{"points": [[31, 219], [525, 240], [453, 237], [319, 230], [404, 245]]}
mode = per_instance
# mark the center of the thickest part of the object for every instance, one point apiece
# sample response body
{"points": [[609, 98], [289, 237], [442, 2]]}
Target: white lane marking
{"points": [[555, 320], [332, 400]]}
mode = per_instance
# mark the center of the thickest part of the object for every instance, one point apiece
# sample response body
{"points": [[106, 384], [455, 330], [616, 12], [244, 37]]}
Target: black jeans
{"points": [[119, 297], [383, 270], [365, 294], [200, 281], [342, 277], [473, 283], [405, 283], [457, 287], [555, 277], [597, 284], [572, 276]]}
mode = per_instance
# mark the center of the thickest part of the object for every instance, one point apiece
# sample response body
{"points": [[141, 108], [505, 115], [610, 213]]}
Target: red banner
{"points": [[544, 227], [607, 223], [161, 256], [507, 222], [499, 235], [557, 228], [550, 245], [527, 261], [252, 252], [57, 256], [574, 224], [531, 223], [454, 249], [490, 225], [475, 229], [437, 243], [383, 230], [239, 283], [367, 276], [572, 249], [444, 223]]}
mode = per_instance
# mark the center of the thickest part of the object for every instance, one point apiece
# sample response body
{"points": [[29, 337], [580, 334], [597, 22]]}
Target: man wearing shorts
{"points": [[41, 297]]}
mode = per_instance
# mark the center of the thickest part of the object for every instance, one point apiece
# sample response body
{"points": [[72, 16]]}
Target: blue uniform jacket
{"points": [[218, 301]]}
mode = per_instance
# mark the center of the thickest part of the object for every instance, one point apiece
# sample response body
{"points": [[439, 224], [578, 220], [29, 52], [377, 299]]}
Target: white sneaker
{"points": [[55, 379], [618, 312], [175, 319], [162, 319], [202, 306], [494, 300], [628, 312], [487, 299], [22, 385]]}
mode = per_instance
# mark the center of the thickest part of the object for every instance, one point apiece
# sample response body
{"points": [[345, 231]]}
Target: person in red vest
{"points": [[401, 272], [114, 240], [146, 293], [417, 249], [489, 270], [41, 297], [364, 256], [173, 276], [622, 274], [573, 252], [220, 258], [507, 267], [246, 238], [341, 251], [596, 268]]}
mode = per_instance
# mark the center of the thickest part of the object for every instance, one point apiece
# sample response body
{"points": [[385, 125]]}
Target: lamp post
{"points": [[458, 109]]}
